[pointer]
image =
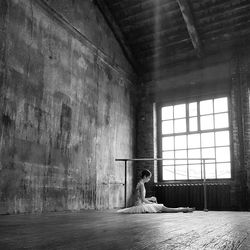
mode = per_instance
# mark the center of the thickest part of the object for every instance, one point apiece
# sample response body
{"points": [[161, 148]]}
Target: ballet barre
{"points": [[201, 160]]}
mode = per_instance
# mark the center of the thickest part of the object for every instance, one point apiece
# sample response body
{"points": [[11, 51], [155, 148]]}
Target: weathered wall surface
{"points": [[227, 73], [66, 108], [241, 128]]}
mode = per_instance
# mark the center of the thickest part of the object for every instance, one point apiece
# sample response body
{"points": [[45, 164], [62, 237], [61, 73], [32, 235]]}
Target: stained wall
{"points": [[66, 107]]}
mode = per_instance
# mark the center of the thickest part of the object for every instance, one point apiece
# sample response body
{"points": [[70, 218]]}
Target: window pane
{"points": [[181, 142], [222, 138], [181, 154], [221, 120], [194, 153], [194, 141], [181, 162], [193, 124], [211, 161], [222, 154], [194, 162], [168, 173], [223, 170], [168, 155], [220, 105], [206, 107], [194, 171], [167, 113], [180, 111], [193, 109], [181, 172], [167, 127], [207, 122], [168, 143], [207, 139], [180, 125], [208, 153], [167, 162], [210, 171]]}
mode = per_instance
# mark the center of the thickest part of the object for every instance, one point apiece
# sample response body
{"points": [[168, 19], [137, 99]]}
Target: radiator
{"points": [[192, 195]]}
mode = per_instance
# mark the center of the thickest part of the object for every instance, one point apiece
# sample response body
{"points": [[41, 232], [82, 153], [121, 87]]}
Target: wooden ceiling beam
{"points": [[126, 13], [164, 9], [213, 6], [232, 40], [223, 19], [226, 24], [206, 2], [150, 25], [140, 38], [166, 56], [188, 18], [216, 34], [162, 39], [138, 3], [222, 10], [117, 32], [123, 8], [169, 18], [158, 51], [169, 39]]}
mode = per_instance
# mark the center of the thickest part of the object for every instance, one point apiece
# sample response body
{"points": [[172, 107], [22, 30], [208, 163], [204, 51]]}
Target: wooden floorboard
{"points": [[109, 230]]}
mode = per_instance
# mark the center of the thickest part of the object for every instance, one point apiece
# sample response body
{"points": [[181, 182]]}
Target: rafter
{"points": [[157, 51], [150, 24], [139, 3], [161, 18], [218, 10], [164, 33], [217, 34], [161, 40], [117, 32], [188, 18], [213, 6], [224, 20], [140, 15]]}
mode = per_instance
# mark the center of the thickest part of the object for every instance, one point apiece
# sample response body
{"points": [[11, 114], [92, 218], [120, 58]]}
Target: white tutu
{"points": [[142, 208]]}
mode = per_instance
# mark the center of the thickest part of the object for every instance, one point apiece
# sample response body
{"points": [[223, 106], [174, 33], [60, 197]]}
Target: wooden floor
{"points": [[109, 230]]}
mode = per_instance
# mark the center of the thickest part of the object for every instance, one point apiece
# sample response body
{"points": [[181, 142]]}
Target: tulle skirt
{"points": [[142, 208]]}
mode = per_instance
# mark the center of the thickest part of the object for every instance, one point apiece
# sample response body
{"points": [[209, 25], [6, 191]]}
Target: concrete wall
{"points": [[66, 108], [225, 72]]}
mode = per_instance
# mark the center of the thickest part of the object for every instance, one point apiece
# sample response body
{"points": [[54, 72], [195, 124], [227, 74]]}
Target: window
{"points": [[195, 130]]}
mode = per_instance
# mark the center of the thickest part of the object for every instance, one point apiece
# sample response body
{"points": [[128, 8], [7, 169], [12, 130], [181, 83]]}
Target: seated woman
{"points": [[149, 205]]}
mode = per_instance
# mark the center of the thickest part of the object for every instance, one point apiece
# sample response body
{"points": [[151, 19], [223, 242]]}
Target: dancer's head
{"points": [[146, 175]]}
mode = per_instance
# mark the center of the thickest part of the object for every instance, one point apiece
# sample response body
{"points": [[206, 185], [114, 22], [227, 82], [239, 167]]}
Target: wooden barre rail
{"points": [[202, 160], [161, 159]]}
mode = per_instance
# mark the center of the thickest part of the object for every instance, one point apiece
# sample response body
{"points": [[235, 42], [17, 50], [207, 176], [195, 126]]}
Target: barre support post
{"points": [[125, 184], [204, 185]]}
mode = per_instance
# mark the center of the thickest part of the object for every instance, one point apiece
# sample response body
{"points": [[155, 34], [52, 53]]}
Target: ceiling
{"points": [[156, 34]]}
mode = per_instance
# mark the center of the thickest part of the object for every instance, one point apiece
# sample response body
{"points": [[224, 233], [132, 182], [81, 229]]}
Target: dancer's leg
{"points": [[177, 209]]}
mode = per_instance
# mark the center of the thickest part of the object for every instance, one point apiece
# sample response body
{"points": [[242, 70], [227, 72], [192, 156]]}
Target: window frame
{"points": [[186, 101]]}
